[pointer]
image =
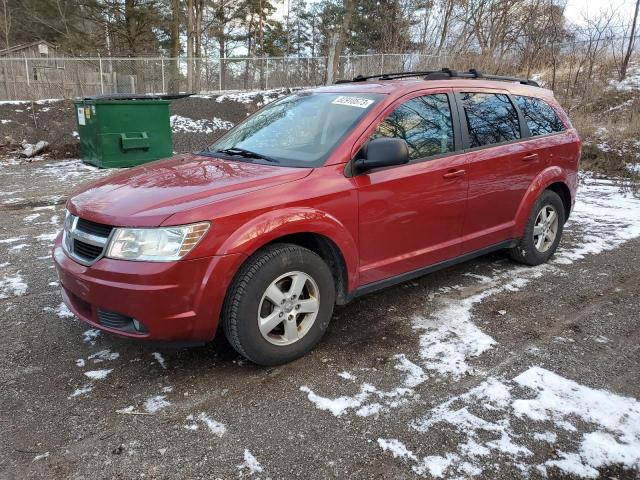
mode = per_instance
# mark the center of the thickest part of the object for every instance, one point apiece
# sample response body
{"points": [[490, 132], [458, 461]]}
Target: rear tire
{"points": [[543, 231], [279, 304]]}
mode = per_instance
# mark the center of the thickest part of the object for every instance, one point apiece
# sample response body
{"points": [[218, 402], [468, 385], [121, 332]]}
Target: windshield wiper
{"points": [[243, 152]]}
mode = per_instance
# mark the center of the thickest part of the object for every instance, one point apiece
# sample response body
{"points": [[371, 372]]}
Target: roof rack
{"points": [[443, 74]]}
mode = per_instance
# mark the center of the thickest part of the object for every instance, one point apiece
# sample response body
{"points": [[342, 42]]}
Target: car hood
{"points": [[145, 196]]}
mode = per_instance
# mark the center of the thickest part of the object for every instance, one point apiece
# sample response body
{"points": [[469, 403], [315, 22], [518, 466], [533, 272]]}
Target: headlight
{"points": [[155, 244]]}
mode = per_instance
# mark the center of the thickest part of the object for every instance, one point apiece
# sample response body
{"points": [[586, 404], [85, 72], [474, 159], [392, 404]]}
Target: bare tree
{"points": [[6, 21], [337, 41], [632, 37], [174, 46]]}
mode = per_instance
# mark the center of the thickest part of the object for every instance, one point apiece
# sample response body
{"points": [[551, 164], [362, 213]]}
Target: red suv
{"points": [[318, 198]]}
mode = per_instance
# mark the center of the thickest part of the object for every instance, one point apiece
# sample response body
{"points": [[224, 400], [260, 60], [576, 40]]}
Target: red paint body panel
{"points": [[176, 301], [385, 222]]}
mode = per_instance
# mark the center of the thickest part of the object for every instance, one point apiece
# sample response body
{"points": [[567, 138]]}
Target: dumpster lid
{"points": [[134, 96]]}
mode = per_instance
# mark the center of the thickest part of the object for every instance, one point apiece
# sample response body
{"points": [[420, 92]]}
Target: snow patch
{"points": [[104, 355], [98, 374], [61, 310], [12, 286], [214, 427], [265, 96], [40, 457], [397, 448], [12, 239], [47, 237], [370, 400], [89, 336], [188, 125], [160, 359], [155, 404], [81, 391], [250, 463], [491, 419], [608, 217]]}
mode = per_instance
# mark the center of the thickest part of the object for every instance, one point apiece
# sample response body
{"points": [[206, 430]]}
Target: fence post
{"points": [[220, 74], [26, 68], [101, 82], [381, 63], [266, 75], [162, 73]]}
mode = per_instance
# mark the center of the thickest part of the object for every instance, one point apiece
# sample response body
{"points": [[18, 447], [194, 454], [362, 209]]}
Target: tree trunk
{"points": [[330, 77], [190, 38], [338, 41], [174, 46], [7, 23], [198, 44], [627, 56], [261, 27]]}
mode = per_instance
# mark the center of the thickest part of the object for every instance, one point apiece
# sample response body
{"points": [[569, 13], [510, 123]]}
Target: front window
{"points": [[298, 131], [424, 123]]}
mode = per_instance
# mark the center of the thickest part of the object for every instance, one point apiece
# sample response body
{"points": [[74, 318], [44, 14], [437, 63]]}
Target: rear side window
{"points": [[541, 118], [491, 118], [424, 123]]}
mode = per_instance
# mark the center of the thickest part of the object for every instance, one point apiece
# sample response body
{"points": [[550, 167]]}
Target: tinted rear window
{"points": [[541, 118], [491, 118]]}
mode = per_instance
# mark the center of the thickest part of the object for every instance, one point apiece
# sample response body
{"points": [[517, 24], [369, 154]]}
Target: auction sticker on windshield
{"points": [[353, 101]]}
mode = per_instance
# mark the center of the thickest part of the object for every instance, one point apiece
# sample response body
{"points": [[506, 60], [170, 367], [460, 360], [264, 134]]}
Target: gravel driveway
{"points": [[485, 370]]}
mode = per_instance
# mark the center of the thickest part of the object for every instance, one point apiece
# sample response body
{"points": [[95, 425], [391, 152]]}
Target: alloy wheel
{"points": [[545, 228], [288, 308]]}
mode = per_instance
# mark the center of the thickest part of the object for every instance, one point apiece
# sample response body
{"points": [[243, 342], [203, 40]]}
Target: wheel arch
{"points": [[328, 251], [552, 178], [308, 228], [564, 193]]}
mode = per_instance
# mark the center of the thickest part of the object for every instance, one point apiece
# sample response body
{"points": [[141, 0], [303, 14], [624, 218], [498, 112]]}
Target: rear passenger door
{"points": [[491, 134], [541, 126]]}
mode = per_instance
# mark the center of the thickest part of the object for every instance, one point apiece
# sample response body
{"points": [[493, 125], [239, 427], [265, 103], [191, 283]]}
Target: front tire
{"points": [[543, 231], [279, 304]]}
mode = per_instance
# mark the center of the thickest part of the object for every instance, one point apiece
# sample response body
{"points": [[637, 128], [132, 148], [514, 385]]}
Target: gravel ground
{"points": [[484, 370]]}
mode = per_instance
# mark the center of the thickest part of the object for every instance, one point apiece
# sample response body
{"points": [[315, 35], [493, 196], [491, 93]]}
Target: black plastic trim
{"points": [[405, 277]]}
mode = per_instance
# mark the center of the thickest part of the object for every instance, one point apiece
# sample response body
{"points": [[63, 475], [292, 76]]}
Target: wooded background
{"points": [[522, 36]]}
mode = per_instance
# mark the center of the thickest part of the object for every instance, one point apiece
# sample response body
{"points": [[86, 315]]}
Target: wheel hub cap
{"points": [[545, 228], [288, 308]]}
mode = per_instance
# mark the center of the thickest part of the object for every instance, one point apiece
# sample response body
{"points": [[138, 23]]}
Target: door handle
{"points": [[454, 174], [530, 156]]}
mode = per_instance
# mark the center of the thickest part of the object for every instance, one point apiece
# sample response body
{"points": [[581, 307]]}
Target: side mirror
{"points": [[382, 152]]}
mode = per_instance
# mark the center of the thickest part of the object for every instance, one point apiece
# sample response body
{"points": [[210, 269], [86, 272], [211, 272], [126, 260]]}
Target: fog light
{"points": [[138, 326]]}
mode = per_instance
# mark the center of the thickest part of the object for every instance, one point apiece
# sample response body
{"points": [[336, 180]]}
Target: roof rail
{"points": [[443, 74]]}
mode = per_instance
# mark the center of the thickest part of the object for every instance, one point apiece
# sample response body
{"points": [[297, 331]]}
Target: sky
{"points": [[574, 10]]}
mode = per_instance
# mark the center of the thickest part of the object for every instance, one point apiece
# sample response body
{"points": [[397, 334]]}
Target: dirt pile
{"points": [[197, 121]]}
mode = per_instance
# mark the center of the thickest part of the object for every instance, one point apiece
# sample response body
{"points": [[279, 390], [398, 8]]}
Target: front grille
{"points": [[113, 319], [84, 240], [86, 250], [94, 228]]}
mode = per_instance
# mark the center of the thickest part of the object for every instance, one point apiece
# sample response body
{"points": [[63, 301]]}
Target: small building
{"points": [[40, 70], [38, 49]]}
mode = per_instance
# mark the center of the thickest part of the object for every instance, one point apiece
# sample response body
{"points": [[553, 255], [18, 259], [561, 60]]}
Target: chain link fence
{"points": [[44, 78]]}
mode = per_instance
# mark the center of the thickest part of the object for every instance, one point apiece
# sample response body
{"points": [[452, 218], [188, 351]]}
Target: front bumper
{"points": [[175, 301]]}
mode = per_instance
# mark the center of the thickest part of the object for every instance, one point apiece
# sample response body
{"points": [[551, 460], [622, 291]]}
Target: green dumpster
{"points": [[123, 131]]}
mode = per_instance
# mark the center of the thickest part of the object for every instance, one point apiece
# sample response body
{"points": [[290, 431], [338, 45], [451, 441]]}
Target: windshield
{"points": [[298, 131]]}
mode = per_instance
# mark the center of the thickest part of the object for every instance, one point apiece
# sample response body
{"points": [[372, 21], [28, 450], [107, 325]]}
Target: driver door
{"points": [[411, 216]]}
